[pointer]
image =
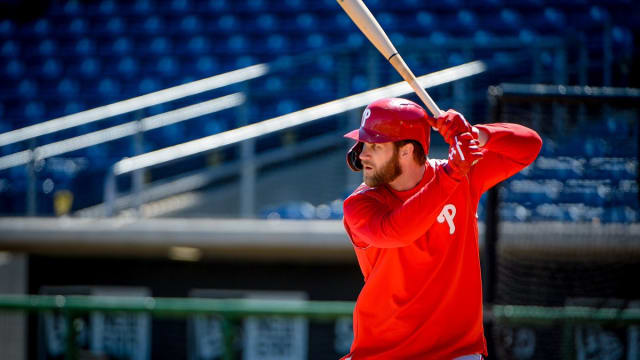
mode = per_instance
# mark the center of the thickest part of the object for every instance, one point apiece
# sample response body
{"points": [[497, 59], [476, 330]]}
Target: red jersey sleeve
{"points": [[376, 223], [510, 148]]}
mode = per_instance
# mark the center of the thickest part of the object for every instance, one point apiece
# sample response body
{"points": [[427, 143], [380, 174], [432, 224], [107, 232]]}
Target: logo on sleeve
{"points": [[447, 214]]}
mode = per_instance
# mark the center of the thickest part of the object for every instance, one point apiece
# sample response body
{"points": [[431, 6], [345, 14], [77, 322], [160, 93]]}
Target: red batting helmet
{"points": [[386, 120]]}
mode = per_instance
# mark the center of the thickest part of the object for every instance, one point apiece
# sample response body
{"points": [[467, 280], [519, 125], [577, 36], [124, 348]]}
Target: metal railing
{"points": [[227, 310], [272, 125], [230, 310]]}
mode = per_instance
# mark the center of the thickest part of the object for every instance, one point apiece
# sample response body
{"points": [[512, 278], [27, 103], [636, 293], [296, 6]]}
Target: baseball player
{"points": [[413, 226]]}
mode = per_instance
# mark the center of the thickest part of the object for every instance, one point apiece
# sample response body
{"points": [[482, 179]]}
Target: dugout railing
{"points": [[229, 311]]}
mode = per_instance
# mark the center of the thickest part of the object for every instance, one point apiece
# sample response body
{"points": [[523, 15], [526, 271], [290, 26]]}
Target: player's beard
{"points": [[388, 172]]}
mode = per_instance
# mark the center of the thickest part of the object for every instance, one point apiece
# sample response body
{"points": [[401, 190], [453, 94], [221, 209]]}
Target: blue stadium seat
{"points": [[295, 210], [256, 6], [78, 26], [107, 7], [122, 46], [306, 21], [10, 48], [89, 67], [14, 69], [342, 22], [7, 28], [196, 45], [207, 66], [513, 212], [167, 66], [34, 111], [128, 66], [228, 23], [237, 43], [113, 26], [179, 6], [266, 22], [48, 47], [277, 43], [148, 84], [109, 87], [426, 20], [151, 24], [142, 7], [72, 8], [73, 107], [85, 47], [40, 28], [51, 68], [28, 88], [190, 24], [315, 41]]}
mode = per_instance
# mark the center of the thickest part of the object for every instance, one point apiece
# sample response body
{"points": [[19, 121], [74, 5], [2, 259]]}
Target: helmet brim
{"points": [[368, 136]]}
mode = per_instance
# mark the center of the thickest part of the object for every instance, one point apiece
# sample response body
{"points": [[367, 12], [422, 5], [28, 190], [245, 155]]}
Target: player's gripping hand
{"points": [[451, 124], [464, 152]]}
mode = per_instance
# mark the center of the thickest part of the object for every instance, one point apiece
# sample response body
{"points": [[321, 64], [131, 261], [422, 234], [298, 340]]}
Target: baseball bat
{"points": [[362, 17]]}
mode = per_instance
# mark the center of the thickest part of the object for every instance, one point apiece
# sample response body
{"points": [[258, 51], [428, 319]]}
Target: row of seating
{"points": [[504, 21], [607, 192], [512, 212], [569, 212], [111, 7]]}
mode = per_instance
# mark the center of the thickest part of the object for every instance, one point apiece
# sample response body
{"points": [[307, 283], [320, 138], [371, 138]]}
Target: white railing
{"points": [[269, 126], [133, 104]]}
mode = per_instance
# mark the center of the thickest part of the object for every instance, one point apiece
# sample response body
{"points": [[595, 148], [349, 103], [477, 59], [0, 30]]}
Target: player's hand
{"points": [[452, 123], [464, 152]]}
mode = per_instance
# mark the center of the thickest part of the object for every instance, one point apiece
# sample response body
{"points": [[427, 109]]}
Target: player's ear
{"points": [[406, 150]]}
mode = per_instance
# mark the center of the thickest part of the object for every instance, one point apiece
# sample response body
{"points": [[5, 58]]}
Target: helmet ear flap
{"points": [[353, 156]]}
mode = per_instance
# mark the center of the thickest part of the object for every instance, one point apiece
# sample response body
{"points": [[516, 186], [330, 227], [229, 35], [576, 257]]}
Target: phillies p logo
{"points": [[447, 214]]}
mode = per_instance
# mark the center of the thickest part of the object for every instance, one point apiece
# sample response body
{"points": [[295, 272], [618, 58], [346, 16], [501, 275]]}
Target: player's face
{"points": [[380, 163]]}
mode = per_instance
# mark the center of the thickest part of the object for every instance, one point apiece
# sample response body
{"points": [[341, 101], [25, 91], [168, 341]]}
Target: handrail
{"points": [[122, 130], [296, 118], [178, 306], [236, 308], [136, 103], [268, 126]]}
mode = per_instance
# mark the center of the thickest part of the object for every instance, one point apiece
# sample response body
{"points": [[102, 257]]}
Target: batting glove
{"points": [[464, 152], [451, 124]]}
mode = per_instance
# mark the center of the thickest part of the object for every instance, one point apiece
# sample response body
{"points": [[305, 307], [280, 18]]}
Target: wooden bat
{"points": [[362, 17]]}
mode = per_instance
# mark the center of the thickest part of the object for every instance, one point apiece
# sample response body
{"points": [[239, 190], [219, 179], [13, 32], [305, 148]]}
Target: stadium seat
{"points": [[266, 22], [51, 68], [167, 66], [196, 45], [85, 47], [114, 26], [14, 68], [7, 28], [148, 84], [121, 46], [28, 88], [34, 111], [306, 21], [228, 23], [190, 24], [128, 66], [10, 48], [207, 66], [426, 20], [78, 26], [237, 44], [90, 67], [47, 47]]}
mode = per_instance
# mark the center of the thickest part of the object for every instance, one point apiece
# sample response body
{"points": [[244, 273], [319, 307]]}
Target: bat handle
{"points": [[402, 68]]}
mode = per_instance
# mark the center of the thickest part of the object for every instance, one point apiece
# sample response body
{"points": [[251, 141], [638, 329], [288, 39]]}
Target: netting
{"points": [[569, 233]]}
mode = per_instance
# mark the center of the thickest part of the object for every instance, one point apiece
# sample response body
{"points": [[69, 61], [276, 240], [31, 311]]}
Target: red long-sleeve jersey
{"points": [[418, 252]]}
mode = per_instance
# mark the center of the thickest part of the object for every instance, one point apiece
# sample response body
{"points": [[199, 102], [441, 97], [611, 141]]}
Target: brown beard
{"points": [[387, 173]]}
